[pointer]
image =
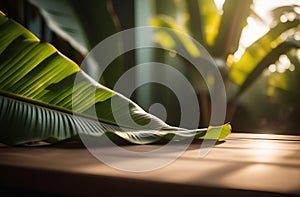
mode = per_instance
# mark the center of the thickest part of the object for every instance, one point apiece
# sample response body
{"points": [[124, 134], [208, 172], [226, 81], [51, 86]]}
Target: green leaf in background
{"points": [[258, 51], [219, 33], [75, 21], [169, 40], [39, 100], [211, 19], [283, 86], [84, 24], [270, 58], [231, 26], [222, 36]]}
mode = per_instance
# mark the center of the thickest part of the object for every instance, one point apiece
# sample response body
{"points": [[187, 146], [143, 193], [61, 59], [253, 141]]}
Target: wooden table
{"points": [[245, 164]]}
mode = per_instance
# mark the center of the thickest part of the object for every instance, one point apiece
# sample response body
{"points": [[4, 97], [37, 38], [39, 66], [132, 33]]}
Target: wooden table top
{"points": [[244, 164]]}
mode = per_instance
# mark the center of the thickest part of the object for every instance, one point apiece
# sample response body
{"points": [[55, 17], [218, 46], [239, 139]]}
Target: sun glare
{"points": [[219, 4], [256, 28]]}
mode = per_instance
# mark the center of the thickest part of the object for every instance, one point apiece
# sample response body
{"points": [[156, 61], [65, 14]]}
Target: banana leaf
{"points": [[167, 40], [75, 21], [288, 9], [39, 99], [231, 26], [211, 19], [266, 61], [283, 87], [255, 53], [84, 24], [195, 24]]}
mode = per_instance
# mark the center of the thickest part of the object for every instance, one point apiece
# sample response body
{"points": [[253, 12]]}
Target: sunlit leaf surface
{"points": [[40, 101]]}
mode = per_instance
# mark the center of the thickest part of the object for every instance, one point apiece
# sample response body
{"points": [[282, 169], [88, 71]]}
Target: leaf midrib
{"points": [[53, 107]]}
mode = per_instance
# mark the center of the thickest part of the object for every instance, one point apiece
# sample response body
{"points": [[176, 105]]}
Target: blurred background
{"points": [[254, 43]]}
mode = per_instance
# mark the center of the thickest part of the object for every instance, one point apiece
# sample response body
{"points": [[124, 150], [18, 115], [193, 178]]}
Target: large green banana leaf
{"points": [[40, 101]]}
